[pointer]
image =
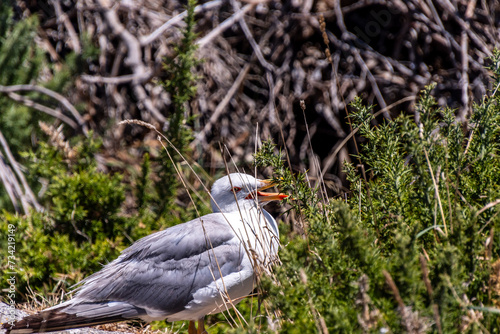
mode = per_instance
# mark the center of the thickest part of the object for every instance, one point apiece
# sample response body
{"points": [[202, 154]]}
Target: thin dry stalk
{"points": [[428, 286], [411, 321], [488, 206], [488, 222], [436, 189], [471, 136], [323, 192], [318, 319]]}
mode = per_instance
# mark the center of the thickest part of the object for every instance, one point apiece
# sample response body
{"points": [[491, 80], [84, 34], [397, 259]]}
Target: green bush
{"points": [[79, 231], [414, 248], [47, 260], [83, 226], [21, 62]]}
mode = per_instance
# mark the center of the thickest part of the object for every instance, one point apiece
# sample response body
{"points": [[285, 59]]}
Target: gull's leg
{"points": [[201, 326], [192, 327]]}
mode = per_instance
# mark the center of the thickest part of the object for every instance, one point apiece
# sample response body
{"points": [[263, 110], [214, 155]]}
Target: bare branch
{"points": [[222, 106], [26, 197], [224, 25], [61, 99], [146, 40], [251, 39], [10, 183], [134, 58], [62, 17], [140, 78], [49, 111]]}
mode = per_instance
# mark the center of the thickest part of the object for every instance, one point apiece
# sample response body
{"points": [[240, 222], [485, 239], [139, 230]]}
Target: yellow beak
{"points": [[266, 197]]}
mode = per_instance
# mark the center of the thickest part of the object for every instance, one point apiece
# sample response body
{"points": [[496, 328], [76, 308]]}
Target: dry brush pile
{"points": [[259, 59]]}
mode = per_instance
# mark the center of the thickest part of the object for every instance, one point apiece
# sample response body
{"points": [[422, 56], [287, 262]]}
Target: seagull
{"points": [[204, 266]]}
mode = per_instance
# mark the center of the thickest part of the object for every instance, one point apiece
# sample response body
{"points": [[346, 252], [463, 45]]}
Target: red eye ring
{"points": [[236, 189]]}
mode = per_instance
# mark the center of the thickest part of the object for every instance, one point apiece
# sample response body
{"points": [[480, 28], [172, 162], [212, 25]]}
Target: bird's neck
{"points": [[249, 210], [252, 208], [271, 222], [234, 206]]}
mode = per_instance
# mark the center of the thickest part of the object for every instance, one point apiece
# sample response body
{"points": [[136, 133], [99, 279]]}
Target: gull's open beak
{"points": [[266, 197]]}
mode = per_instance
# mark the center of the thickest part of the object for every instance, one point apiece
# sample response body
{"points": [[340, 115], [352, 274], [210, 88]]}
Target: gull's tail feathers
{"points": [[75, 315]]}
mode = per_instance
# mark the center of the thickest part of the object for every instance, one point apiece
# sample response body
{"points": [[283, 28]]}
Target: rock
{"points": [[7, 313]]}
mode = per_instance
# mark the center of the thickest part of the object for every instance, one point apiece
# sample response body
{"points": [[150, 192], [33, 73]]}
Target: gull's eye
{"points": [[236, 189]]}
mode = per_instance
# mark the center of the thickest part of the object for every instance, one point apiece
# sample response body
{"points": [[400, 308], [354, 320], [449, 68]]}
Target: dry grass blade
{"points": [[488, 206], [436, 191], [428, 286]]}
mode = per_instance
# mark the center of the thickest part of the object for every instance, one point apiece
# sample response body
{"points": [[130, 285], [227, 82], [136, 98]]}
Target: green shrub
{"points": [[80, 229], [414, 247], [47, 260], [83, 226]]}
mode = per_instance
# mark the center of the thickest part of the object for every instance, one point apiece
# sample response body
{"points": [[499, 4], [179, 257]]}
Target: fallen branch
{"points": [[61, 99], [224, 25], [134, 58], [26, 197], [49, 111], [123, 79], [146, 40]]}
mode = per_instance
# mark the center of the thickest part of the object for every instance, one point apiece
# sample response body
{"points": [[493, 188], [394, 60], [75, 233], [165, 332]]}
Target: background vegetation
{"points": [[392, 226]]}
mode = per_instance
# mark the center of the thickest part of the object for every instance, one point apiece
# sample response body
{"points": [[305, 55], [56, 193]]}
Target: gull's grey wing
{"points": [[164, 269]]}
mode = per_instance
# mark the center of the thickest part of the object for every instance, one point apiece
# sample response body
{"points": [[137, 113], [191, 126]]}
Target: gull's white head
{"points": [[243, 188]]}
